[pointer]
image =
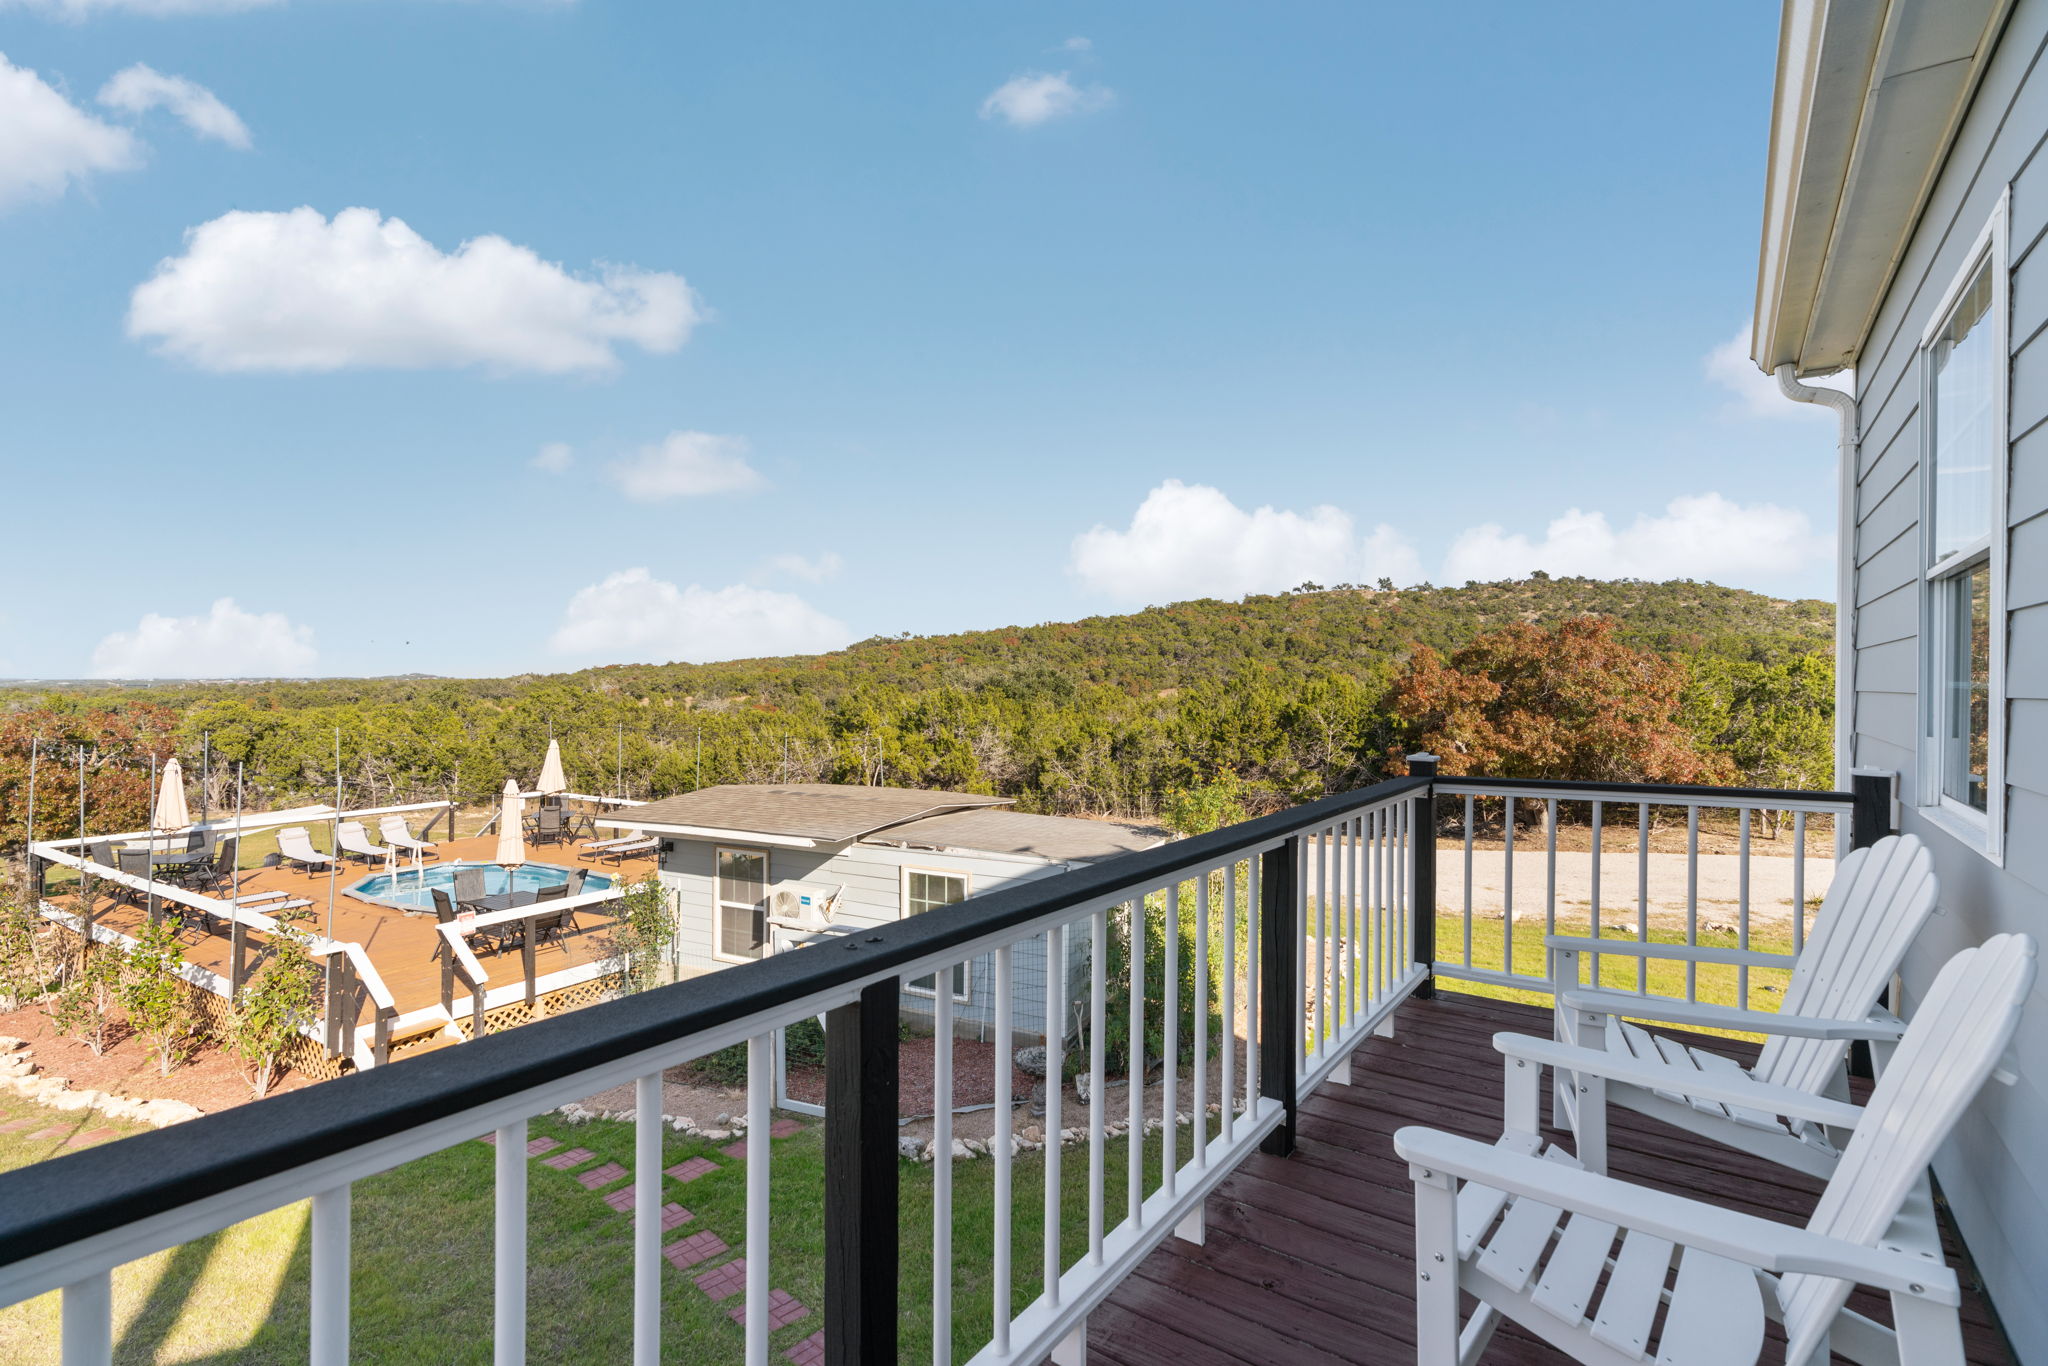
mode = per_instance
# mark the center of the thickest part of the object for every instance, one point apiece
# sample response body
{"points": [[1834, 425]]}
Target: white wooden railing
{"points": [[1274, 947]]}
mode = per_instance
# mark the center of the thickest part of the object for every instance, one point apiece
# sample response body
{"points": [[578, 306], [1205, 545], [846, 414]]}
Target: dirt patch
{"points": [[974, 1077], [209, 1078]]}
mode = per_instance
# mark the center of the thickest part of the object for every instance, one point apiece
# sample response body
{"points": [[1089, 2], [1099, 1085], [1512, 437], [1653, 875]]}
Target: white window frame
{"points": [[1983, 831], [719, 903], [965, 969]]}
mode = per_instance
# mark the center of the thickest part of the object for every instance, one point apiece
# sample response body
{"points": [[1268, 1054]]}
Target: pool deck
{"points": [[400, 945]]}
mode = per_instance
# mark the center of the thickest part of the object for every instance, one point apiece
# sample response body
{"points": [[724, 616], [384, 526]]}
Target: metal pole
{"points": [[334, 845], [700, 756], [35, 745], [235, 868], [205, 771], [149, 842]]}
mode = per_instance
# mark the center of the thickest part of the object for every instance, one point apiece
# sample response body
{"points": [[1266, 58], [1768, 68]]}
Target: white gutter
{"points": [[706, 832], [1845, 559]]}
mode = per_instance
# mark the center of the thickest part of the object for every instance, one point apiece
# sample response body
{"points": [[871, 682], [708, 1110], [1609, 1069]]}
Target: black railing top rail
{"points": [[53, 1204], [1681, 794]]}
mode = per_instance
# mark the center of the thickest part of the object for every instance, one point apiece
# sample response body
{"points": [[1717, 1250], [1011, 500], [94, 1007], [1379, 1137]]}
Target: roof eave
{"points": [[1869, 96]]}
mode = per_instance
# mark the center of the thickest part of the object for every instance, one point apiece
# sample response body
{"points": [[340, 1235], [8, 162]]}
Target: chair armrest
{"points": [[1762, 1243], [1684, 953], [1881, 1026], [1658, 1076]]}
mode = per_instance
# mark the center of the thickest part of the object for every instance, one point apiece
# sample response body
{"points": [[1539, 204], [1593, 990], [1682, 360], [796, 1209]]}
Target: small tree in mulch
{"points": [[642, 934], [27, 960], [83, 1006], [158, 998], [274, 1005]]}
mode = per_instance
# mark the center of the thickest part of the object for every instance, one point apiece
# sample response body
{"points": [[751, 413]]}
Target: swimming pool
{"points": [[415, 890]]}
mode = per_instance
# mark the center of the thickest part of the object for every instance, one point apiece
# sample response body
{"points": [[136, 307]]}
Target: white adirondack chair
{"points": [[1530, 1234], [1785, 1106]]}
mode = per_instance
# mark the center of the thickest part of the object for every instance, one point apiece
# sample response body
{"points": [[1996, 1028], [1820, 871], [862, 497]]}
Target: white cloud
{"points": [[1704, 536], [1039, 96], [1077, 44], [46, 142], [139, 89], [1756, 393], [814, 570], [1190, 540], [686, 465], [225, 643], [296, 292], [555, 457], [633, 614]]}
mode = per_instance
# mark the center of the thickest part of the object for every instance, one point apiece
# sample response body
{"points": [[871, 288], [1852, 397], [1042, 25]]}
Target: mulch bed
{"points": [[974, 1077]]}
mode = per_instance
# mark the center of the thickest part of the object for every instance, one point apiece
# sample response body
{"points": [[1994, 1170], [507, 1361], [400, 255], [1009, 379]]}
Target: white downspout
{"points": [[1845, 560]]}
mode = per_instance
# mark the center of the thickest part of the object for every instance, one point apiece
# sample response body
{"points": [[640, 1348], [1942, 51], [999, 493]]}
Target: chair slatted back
{"points": [[1955, 1040], [1880, 898], [469, 884]]}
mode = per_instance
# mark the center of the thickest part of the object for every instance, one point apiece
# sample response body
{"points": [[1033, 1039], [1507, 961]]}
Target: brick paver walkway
{"points": [[691, 1170], [41, 1134], [536, 1146], [737, 1151], [783, 1128], [673, 1216], [11, 1125], [561, 1162], [622, 1198], [809, 1352], [601, 1176], [685, 1253], [724, 1281], [91, 1136], [783, 1308]]}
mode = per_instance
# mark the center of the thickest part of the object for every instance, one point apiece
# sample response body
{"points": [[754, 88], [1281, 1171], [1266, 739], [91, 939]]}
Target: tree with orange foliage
{"points": [[1569, 702]]}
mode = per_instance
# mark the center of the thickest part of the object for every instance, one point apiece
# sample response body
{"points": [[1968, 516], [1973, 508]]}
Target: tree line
{"points": [[1282, 697]]}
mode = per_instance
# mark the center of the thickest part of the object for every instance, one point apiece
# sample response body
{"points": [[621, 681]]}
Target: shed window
{"points": [[924, 891], [742, 902]]}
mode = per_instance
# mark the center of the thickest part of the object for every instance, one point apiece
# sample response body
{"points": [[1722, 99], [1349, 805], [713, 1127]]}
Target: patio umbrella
{"points": [[552, 783], [171, 812], [511, 848]]}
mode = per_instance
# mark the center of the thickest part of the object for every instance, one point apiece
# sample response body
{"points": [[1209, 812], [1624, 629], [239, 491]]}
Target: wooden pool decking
{"points": [[401, 946], [1309, 1259]]}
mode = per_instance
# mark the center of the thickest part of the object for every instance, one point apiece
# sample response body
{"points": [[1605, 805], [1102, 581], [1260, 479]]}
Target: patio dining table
{"points": [[501, 901]]}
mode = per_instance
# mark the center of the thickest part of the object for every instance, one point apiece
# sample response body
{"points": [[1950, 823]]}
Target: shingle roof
{"points": [[1058, 839], [830, 813]]}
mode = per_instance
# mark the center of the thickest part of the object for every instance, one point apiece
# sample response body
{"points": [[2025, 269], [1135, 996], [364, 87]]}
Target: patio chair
{"points": [[352, 841], [577, 877], [1880, 898], [219, 865], [1529, 1234], [548, 826], [619, 853], [395, 834], [295, 846], [444, 913], [554, 925], [135, 863]]}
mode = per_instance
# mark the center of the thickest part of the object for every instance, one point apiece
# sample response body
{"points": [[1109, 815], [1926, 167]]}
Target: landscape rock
{"points": [[10, 1043], [907, 1148]]}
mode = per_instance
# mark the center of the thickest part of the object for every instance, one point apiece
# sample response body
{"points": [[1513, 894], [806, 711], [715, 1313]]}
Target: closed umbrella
{"points": [[552, 783], [171, 812], [511, 848]]}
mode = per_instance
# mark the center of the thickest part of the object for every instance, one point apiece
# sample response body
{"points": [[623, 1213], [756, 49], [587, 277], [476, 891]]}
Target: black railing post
{"points": [[1870, 819], [861, 1178], [1422, 875], [1280, 1006]]}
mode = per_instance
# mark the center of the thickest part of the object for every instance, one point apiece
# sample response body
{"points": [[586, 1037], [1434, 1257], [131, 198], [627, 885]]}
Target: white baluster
{"points": [[508, 1310], [1742, 917], [1642, 894], [1005, 1062], [647, 1099], [1098, 1015], [1798, 881], [88, 1321], [1228, 1094], [1169, 1082], [1134, 1172], [1055, 1070], [1692, 896], [330, 1289], [942, 1168]]}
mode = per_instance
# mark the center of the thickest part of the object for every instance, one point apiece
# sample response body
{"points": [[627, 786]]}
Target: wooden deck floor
{"points": [[400, 945], [1310, 1259]]}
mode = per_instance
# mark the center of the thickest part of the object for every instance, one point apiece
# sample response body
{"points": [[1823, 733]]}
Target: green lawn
{"points": [[422, 1249], [422, 1236]]}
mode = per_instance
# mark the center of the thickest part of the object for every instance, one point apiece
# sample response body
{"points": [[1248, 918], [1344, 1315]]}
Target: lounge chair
{"points": [[614, 840], [395, 834], [1880, 898], [619, 853], [354, 842], [1530, 1235], [294, 845]]}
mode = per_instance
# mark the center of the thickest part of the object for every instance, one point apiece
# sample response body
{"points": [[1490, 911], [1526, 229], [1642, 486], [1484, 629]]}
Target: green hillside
{"points": [[1103, 715]]}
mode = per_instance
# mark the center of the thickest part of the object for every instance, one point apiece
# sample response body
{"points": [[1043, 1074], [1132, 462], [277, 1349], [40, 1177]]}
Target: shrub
{"points": [[803, 1046], [158, 999], [643, 933], [83, 1005], [274, 1005], [1116, 1036], [26, 965]]}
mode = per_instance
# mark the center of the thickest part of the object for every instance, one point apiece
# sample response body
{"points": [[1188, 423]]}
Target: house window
{"points": [[925, 891], [742, 903], [1964, 363]]}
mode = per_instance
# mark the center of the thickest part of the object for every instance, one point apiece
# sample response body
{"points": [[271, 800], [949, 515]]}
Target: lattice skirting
{"points": [[501, 1018]]}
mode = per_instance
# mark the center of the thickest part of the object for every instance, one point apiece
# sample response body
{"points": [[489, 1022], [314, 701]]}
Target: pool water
{"points": [[410, 888]]}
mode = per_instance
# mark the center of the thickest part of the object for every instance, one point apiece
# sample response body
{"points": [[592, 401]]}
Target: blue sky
{"points": [[842, 320]]}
